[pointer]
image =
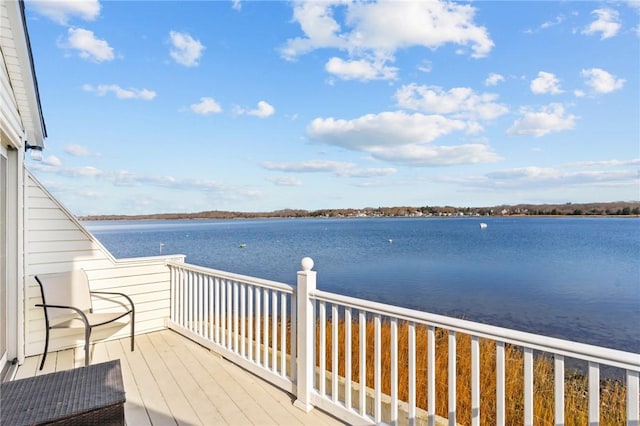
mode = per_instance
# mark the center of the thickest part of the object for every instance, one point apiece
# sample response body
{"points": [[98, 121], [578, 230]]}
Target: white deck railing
{"points": [[248, 320]]}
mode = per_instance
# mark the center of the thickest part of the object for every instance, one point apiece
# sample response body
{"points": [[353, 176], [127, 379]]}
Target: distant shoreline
{"points": [[612, 209]]}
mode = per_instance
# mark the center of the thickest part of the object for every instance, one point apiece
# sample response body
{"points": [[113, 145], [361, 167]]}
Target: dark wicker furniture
{"points": [[92, 395]]}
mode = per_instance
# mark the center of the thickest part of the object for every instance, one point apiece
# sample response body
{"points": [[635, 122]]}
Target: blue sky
{"points": [[158, 106]]}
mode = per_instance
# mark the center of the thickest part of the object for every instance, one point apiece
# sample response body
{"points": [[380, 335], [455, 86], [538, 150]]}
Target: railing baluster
{"points": [[243, 318], [283, 334], [377, 365], [183, 288], [452, 378], [250, 342], [294, 338], [223, 312], [594, 394], [362, 349], [411, 331], [334, 352], [258, 328], [431, 375], [216, 309], [274, 331], [322, 346], [528, 387], [558, 393], [199, 303], [191, 302], [475, 381], [172, 293], [236, 296], [633, 411], [500, 388], [230, 314], [347, 358], [265, 327], [394, 371], [211, 308]]}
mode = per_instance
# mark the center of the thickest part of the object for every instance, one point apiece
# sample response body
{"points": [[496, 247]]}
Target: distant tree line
{"points": [[567, 209]]}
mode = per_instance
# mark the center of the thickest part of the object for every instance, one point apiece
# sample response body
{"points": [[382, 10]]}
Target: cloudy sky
{"points": [[159, 106]]}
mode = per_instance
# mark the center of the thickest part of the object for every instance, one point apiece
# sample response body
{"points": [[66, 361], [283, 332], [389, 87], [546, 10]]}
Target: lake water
{"points": [[573, 278]]}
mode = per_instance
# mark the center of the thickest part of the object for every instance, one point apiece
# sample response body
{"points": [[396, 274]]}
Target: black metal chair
{"points": [[67, 303]]}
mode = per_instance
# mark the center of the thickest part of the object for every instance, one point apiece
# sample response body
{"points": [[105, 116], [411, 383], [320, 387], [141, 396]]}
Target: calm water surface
{"points": [[574, 278]]}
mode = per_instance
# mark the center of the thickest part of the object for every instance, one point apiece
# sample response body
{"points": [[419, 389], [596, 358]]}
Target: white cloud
{"points": [[131, 93], [52, 160], [311, 166], [527, 176], [378, 29], [607, 23], [547, 24], [600, 81], [80, 151], [551, 118], [337, 168], [236, 5], [206, 106], [401, 138], [263, 110], [425, 155], [89, 47], [185, 49], [360, 69], [368, 172], [493, 79], [607, 163], [546, 83], [285, 181], [61, 11], [461, 102], [382, 130]]}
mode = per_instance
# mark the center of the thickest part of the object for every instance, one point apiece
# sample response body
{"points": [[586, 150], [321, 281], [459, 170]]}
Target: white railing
{"points": [[245, 319], [368, 362]]}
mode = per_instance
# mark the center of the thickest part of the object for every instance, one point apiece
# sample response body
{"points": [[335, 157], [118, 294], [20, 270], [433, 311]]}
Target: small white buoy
{"points": [[483, 225], [390, 241]]}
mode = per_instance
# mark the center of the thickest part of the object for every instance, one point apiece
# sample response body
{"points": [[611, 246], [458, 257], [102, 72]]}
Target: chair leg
{"points": [[87, 336], [133, 325], [46, 348]]}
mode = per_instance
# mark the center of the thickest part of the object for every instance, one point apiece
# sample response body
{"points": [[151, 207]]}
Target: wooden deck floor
{"points": [[170, 380]]}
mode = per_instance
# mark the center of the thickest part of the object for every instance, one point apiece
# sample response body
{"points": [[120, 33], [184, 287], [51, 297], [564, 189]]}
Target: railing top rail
{"points": [[601, 355], [274, 285]]}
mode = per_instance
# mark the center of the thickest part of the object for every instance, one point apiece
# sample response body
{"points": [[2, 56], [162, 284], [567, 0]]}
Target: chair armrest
{"points": [[116, 294], [78, 311]]}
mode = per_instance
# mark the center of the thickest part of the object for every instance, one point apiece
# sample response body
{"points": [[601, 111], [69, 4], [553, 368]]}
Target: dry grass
{"points": [[612, 394]]}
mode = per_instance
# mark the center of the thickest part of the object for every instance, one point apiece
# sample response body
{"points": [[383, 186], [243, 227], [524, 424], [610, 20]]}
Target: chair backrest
{"points": [[65, 288]]}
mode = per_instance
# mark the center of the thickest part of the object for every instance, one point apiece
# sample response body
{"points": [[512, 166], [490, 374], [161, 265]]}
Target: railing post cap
{"points": [[307, 264]]}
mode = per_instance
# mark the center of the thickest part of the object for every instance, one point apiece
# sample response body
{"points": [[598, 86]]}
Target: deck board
{"points": [[170, 380]]}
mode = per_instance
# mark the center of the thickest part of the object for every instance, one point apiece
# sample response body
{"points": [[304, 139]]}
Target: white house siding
{"points": [[10, 124], [55, 242]]}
